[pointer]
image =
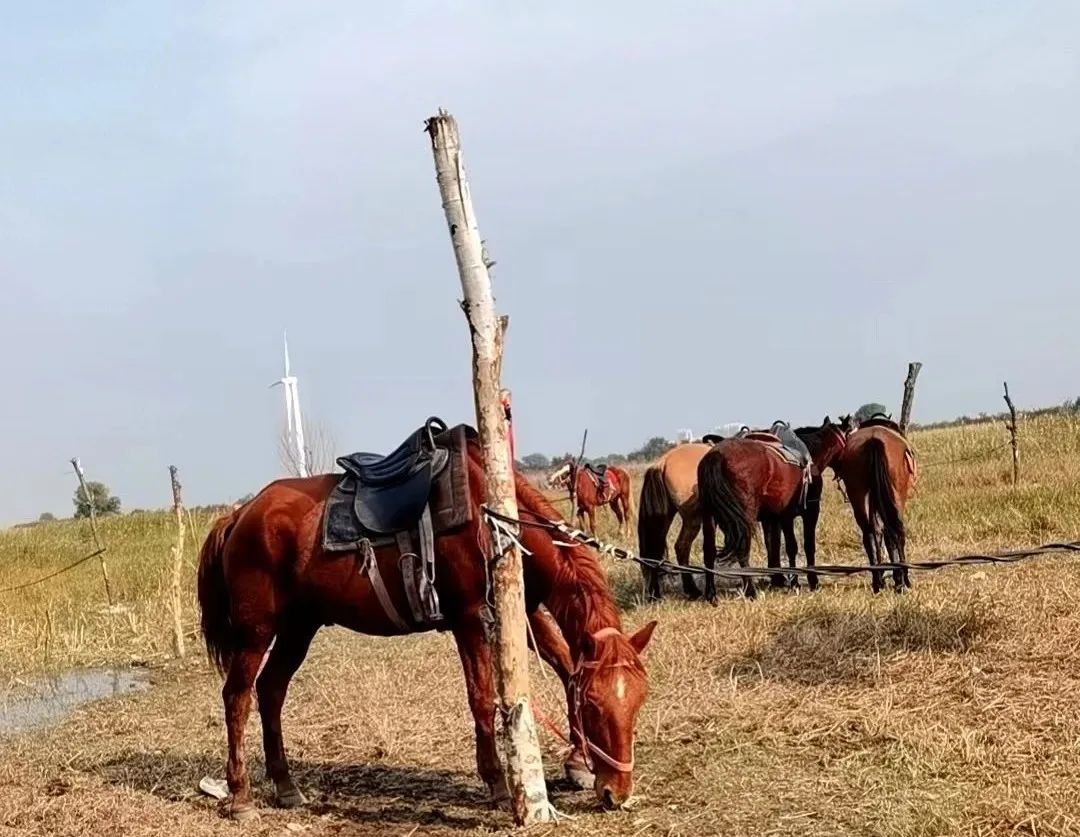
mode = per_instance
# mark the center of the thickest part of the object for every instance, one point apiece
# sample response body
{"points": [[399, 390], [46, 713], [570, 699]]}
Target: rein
{"points": [[577, 727]]}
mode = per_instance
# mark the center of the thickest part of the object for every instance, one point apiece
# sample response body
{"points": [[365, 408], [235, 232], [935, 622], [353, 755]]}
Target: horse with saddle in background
{"points": [[398, 545], [773, 477], [596, 486], [878, 470]]}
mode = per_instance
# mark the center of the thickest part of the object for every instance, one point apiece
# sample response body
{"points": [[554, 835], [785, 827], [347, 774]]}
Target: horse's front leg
{"points": [[791, 547], [809, 528], [475, 656], [770, 528], [552, 647]]}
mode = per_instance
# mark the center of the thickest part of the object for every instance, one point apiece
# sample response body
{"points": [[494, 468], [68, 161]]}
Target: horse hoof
{"points": [[579, 776], [291, 797], [499, 796], [244, 812]]}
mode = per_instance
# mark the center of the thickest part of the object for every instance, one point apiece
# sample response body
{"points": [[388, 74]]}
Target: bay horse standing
{"points": [[592, 490], [878, 470], [744, 480], [264, 578]]}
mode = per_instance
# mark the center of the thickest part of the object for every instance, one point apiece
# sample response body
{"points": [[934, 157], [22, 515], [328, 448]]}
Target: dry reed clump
{"points": [[954, 709]]}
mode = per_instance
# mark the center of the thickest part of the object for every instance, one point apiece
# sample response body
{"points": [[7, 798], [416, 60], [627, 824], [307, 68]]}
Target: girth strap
{"points": [[371, 567]]}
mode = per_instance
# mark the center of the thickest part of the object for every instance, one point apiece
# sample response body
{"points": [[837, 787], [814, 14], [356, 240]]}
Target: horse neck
{"points": [[579, 597], [823, 446]]}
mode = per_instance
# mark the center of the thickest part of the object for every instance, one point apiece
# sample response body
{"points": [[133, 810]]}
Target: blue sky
{"points": [[701, 213]]}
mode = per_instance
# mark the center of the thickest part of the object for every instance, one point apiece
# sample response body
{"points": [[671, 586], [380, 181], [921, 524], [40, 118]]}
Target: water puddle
{"points": [[49, 699]]}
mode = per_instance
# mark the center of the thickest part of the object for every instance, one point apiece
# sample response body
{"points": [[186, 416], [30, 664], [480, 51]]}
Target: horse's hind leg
{"points": [[236, 694], [687, 532], [620, 515], [894, 544], [869, 540], [290, 649]]}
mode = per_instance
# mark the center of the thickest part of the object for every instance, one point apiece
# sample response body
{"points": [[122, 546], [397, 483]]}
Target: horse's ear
{"points": [[827, 422], [642, 636]]}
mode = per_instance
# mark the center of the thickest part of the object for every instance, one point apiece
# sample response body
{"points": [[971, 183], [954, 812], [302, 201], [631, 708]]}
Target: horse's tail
{"points": [[719, 499], [655, 511], [631, 509], [216, 621], [882, 495]]}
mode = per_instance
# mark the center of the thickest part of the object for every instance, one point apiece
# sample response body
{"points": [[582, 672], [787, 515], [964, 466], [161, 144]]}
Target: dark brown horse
{"points": [[263, 577], [744, 480], [878, 470], [592, 490]]}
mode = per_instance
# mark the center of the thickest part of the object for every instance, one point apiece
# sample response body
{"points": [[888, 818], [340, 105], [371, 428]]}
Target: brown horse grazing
{"points": [[670, 487], [264, 576], [744, 480], [592, 488], [878, 470]]}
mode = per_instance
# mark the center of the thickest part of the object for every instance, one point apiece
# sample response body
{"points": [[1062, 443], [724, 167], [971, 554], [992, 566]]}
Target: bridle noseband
{"points": [[577, 727]]}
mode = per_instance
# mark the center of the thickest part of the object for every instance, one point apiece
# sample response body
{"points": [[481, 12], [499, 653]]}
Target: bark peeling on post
{"points": [[521, 747]]}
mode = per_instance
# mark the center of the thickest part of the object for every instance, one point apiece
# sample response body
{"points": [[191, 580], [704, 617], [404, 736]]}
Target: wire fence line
{"points": [[54, 574], [665, 567]]}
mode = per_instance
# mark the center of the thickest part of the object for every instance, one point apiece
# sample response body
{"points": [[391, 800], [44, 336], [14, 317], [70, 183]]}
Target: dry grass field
{"points": [[954, 709]]}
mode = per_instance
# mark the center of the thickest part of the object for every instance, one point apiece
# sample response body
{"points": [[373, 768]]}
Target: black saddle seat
{"points": [[393, 489], [598, 471]]}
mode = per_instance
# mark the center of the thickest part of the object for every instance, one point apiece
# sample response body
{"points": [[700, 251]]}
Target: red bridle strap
{"points": [[578, 730]]}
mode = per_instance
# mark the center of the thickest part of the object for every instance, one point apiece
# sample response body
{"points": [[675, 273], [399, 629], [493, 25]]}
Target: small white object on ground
{"points": [[217, 788]]}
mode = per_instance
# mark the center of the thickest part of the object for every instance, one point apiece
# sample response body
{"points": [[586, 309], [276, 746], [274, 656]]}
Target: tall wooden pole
{"points": [[909, 394], [93, 528], [1013, 441], [177, 565], [521, 746]]}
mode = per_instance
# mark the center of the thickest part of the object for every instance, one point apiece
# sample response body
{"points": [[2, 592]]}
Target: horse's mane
{"points": [[577, 567]]}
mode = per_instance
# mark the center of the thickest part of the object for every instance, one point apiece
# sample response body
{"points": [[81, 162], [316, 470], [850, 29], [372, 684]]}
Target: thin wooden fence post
{"points": [[1013, 440], [177, 565], [909, 394], [94, 529], [521, 746]]}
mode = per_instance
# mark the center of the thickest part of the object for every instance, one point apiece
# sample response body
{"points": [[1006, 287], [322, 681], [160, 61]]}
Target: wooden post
{"points": [[521, 746], [177, 565], [93, 528], [1013, 440], [909, 394], [571, 481]]}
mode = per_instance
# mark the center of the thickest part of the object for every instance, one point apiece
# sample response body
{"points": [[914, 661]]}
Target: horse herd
{"points": [[773, 477], [266, 586]]}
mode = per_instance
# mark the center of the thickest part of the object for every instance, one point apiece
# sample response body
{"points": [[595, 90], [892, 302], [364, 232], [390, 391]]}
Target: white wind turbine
{"points": [[293, 422]]}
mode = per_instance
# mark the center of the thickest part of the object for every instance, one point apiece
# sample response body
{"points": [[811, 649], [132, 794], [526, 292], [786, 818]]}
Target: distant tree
{"points": [[247, 498], [46, 517], [319, 449], [100, 500], [536, 462], [656, 447]]}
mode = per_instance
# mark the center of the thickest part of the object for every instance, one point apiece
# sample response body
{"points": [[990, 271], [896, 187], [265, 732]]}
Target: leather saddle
{"points": [[392, 490], [598, 472]]}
